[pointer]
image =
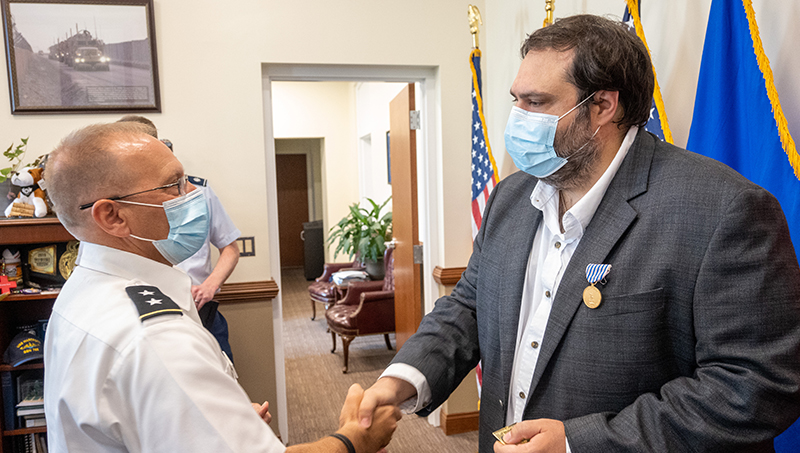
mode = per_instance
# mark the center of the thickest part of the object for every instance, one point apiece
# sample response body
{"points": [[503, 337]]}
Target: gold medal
{"points": [[66, 263], [592, 297]]}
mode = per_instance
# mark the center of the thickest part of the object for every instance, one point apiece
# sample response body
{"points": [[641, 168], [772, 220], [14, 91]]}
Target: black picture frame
{"points": [[80, 56]]}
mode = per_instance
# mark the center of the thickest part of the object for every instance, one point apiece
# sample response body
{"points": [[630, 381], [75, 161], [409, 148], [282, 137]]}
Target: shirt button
{"points": [[558, 245], [547, 294], [534, 344], [522, 395]]}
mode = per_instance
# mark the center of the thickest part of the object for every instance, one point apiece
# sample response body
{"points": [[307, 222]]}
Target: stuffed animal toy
{"points": [[30, 193]]}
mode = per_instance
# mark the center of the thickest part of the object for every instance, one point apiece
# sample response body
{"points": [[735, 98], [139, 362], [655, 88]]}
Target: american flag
{"points": [[484, 169], [654, 125]]}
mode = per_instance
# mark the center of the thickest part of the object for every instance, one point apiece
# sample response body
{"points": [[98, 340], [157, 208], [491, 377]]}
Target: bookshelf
{"points": [[20, 309]]}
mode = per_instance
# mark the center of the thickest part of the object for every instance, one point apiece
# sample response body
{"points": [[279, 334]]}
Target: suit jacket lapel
{"points": [[613, 216], [509, 293]]}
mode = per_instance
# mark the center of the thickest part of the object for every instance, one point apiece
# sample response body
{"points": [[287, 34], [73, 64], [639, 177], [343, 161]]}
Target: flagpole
{"points": [[474, 15], [549, 8]]}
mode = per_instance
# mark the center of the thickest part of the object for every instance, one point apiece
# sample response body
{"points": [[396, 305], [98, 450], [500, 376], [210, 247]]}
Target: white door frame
{"points": [[429, 190]]}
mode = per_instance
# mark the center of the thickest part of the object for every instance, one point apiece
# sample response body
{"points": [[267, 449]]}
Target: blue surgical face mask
{"points": [[189, 221], [529, 140]]}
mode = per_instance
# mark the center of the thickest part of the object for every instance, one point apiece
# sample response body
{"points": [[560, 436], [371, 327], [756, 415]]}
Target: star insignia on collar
{"points": [[153, 301], [146, 293]]}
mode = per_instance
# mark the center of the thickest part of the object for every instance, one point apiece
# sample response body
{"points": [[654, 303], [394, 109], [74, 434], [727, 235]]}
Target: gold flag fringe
{"points": [[633, 8], [763, 64]]}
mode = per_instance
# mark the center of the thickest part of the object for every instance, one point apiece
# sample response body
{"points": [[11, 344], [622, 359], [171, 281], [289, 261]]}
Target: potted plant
{"points": [[14, 156], [364, 232]]}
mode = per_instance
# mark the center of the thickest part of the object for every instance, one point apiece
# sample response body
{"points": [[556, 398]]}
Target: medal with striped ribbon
{"points": [[594, 273]]}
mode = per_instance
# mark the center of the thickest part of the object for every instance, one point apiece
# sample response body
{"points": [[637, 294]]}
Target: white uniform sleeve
{"points": [[175, 386], [223, 231]]}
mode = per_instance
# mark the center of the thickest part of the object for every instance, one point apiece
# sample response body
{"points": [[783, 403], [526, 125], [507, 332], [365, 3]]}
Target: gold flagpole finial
{"points": [[549, 7], [474, 15]]}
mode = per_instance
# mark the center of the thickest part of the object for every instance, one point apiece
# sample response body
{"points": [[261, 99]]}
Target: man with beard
{"points": [[623, 295]]}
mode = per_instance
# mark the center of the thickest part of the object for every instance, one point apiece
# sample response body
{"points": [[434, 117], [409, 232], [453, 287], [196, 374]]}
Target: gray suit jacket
{"points": [[696, 346]]}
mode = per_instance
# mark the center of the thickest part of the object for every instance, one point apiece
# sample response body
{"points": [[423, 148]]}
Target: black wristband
{"points": [[345, 441]]}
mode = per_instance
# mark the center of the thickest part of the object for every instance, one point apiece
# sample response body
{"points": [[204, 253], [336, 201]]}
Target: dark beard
{"points": [[581, 160]]}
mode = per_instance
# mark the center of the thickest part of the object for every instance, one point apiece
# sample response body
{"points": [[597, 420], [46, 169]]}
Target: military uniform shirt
{"points": [[115, 383]]}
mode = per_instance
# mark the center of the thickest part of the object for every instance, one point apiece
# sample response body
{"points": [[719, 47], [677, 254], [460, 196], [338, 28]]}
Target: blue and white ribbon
{"points": [[597, 272]]}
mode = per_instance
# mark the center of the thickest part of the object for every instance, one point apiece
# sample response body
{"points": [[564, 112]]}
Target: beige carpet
{"points": [[315, 385]]}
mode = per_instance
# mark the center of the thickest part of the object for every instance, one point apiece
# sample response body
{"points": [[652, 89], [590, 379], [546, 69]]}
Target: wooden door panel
{"points": [[403, 149], [292, 207]]}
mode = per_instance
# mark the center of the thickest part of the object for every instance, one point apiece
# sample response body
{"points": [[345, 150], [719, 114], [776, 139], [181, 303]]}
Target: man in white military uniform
{"points": [[128, 366]]}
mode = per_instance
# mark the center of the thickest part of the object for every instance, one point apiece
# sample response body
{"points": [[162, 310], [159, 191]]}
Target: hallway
{"points": [[316, 387]]}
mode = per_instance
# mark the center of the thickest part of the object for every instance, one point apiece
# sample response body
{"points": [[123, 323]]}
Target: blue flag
{"points": [[738, 120]]}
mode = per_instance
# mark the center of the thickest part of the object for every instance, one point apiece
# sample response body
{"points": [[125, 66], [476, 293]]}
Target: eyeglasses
{"points": [[181, 184]]}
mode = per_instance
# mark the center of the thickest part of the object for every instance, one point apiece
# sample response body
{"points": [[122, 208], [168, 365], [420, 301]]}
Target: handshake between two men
{"points": [[353, 436], [542, 435]]}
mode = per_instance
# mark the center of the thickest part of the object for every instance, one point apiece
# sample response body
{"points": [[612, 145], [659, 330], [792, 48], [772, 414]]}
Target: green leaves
{"points": [[362, 231], [12, 154]]}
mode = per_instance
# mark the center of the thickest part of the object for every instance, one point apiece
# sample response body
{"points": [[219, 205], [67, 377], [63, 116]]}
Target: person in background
{"points": [[207, 279], [128, 366], [623, 294]]}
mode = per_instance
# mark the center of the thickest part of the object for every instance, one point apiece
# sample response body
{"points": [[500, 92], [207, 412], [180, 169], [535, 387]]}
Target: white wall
{"points": [[372, 118], [675, 32]]}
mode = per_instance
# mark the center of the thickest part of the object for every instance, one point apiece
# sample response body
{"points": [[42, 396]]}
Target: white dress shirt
{"points": [[549, 257], [114, 383]]}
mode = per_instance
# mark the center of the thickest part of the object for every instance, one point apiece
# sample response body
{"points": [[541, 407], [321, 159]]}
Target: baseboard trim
{"points": [[459, 423]]}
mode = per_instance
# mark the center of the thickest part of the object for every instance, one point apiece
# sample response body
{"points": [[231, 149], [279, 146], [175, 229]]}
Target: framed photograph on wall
{"points": [[81, 56]]}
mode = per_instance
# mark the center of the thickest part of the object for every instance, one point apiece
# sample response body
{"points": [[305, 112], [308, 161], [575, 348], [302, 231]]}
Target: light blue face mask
{"points": [[529, 141], [189, 221]]}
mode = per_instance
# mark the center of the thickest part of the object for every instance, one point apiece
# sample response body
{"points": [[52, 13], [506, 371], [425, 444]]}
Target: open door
{"points": [[407, 275]]}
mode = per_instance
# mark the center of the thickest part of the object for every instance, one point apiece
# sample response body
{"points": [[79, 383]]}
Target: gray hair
{"points": [[83, 168], [152, 130]]}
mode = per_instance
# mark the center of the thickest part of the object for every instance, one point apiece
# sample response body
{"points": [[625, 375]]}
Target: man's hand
{"points": [[203, 293], [263, 411], [546, 436], [375, 437], [387, 391]]}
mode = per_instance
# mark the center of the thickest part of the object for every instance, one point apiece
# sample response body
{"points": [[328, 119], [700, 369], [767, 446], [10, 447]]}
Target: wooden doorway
{"points": [[292, 187], [427, 78], [405, 224]]}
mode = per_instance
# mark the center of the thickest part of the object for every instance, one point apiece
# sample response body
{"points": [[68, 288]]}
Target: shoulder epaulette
{"points": [[197, 181], [151, 302]]}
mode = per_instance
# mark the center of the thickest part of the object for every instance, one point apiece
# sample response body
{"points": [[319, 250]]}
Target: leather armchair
{"points": [[366, 309], [323, 290]]}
